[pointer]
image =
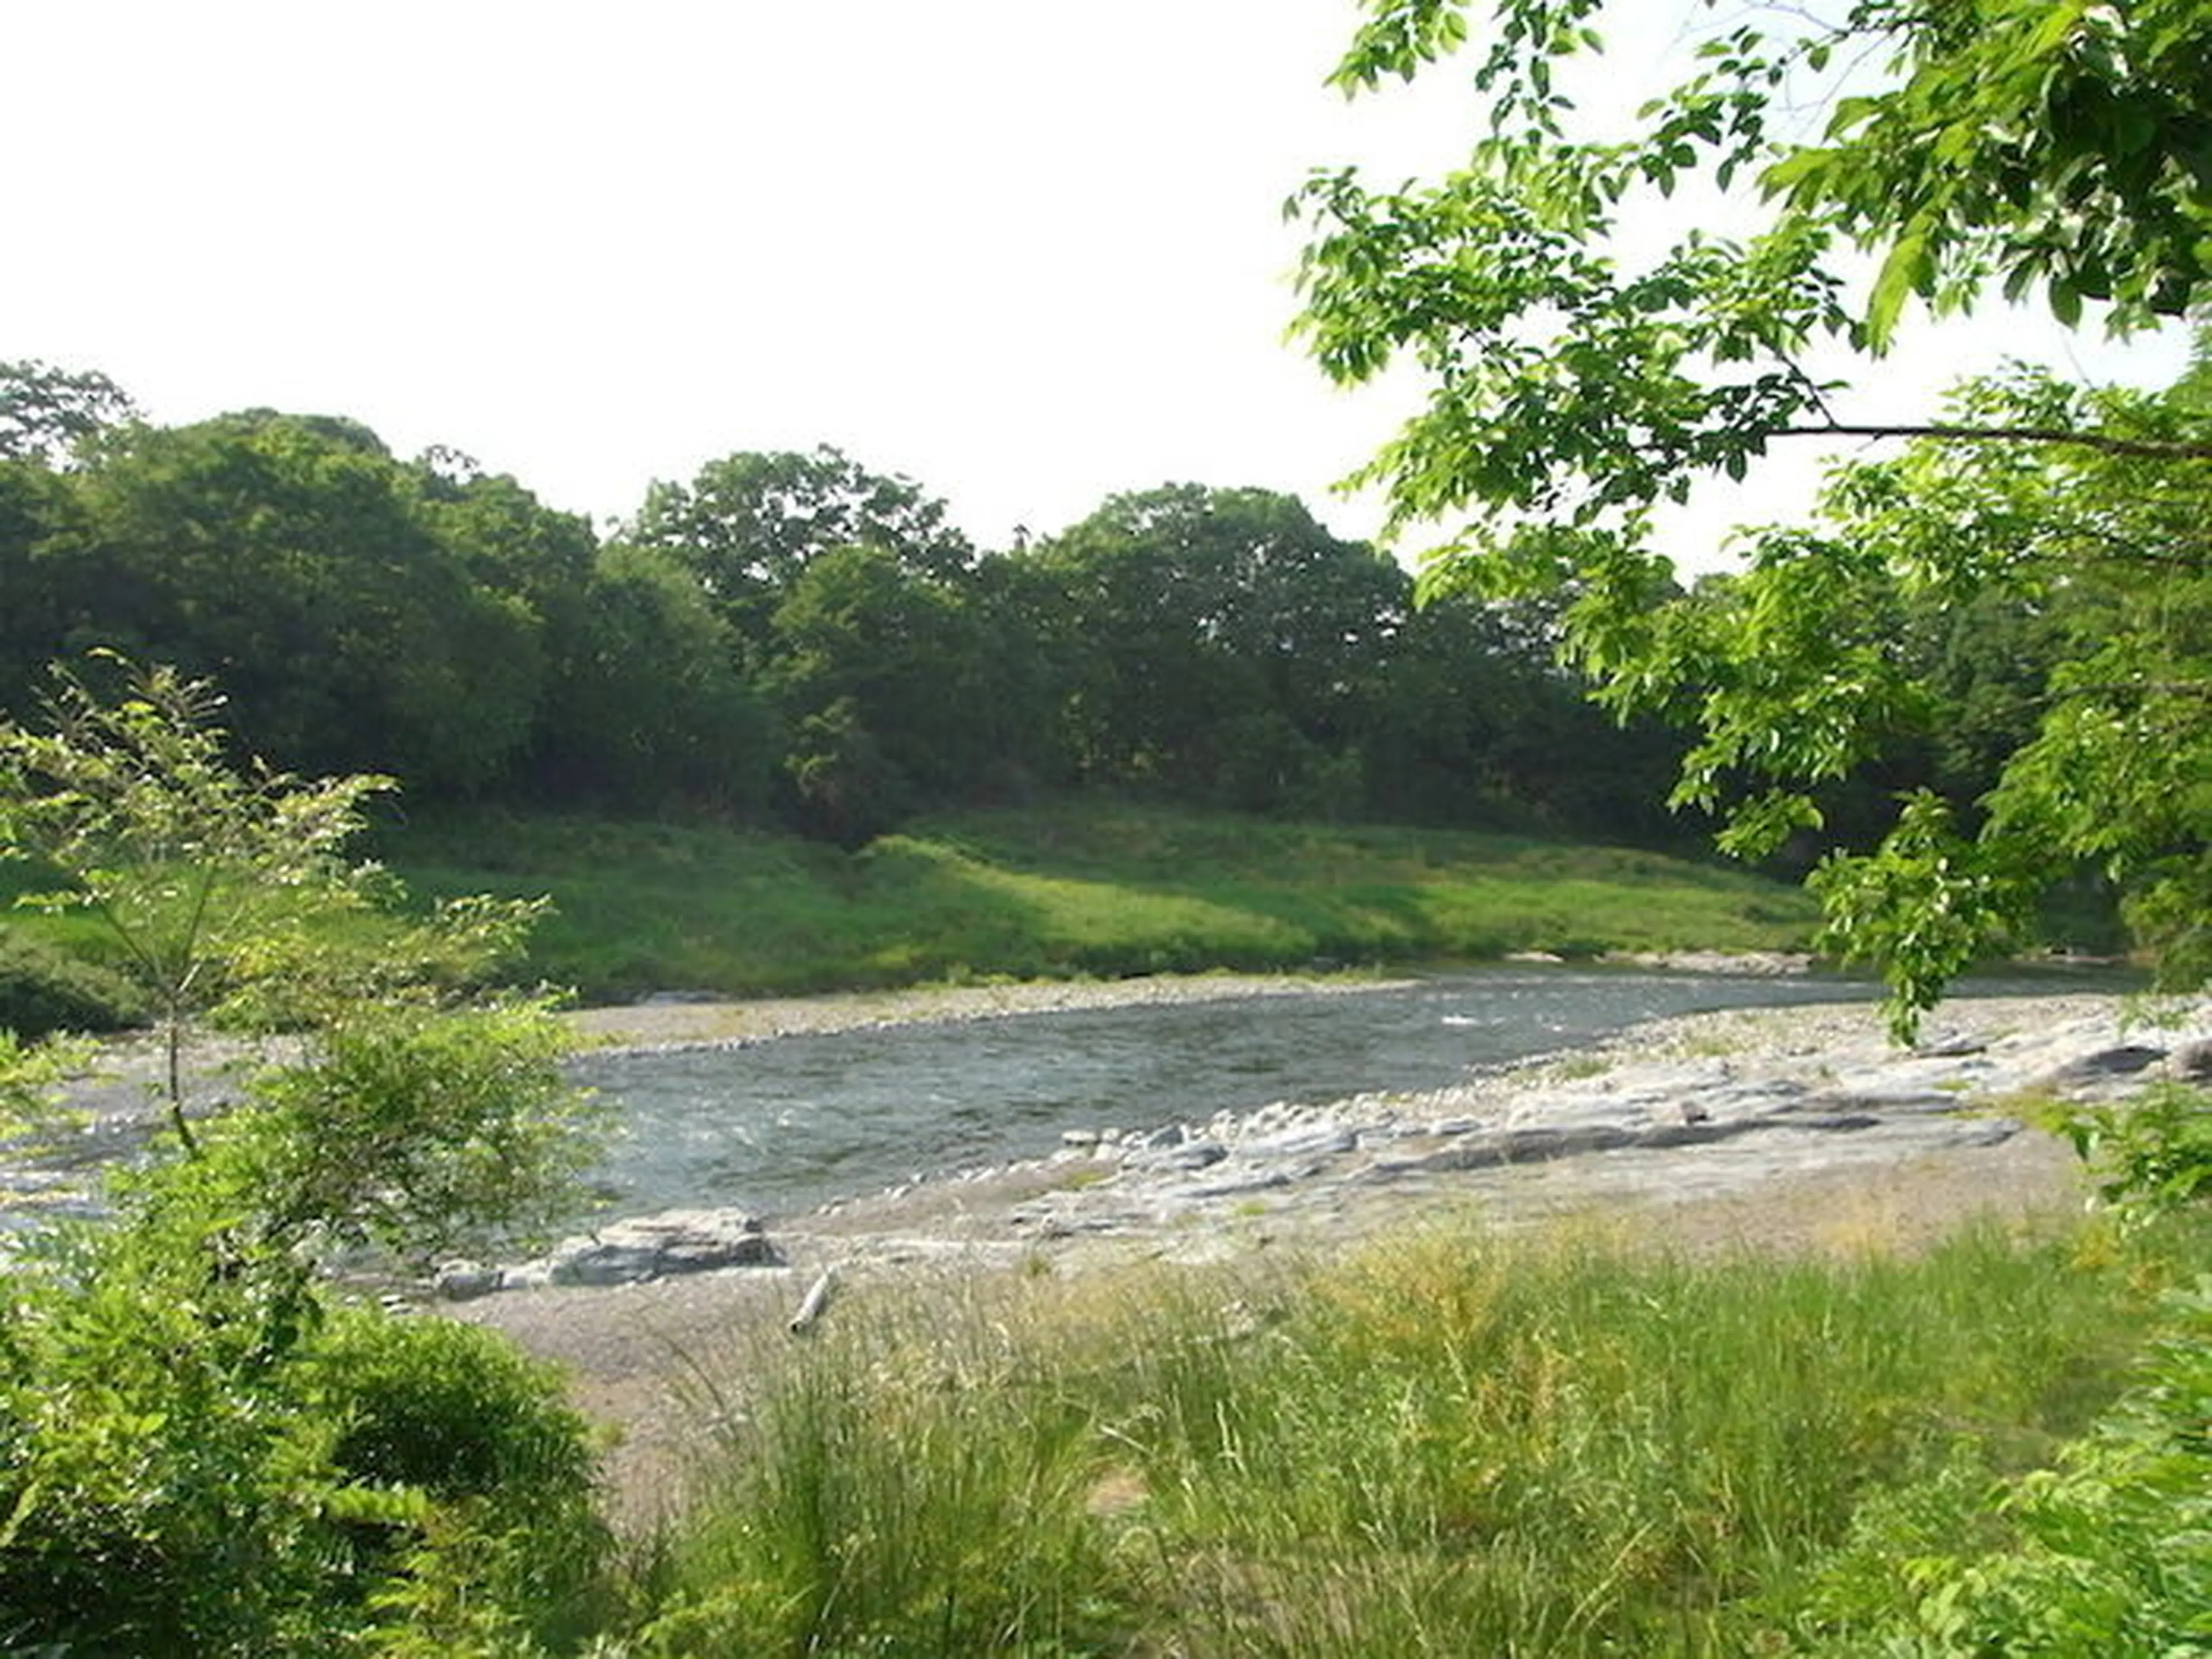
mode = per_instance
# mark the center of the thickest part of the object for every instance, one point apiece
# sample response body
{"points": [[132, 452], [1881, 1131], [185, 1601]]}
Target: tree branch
{"points": [[2156, 449], [2132, 689]]}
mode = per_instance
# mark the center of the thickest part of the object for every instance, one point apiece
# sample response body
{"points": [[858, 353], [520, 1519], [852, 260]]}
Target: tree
{"points": [[645, 705], [1993, 146], [293, 558], [1470, 719], [186, 866], [1228, 639], [747, 524], [880, 671], [203, 1450], [221, 892], [46, 413]]}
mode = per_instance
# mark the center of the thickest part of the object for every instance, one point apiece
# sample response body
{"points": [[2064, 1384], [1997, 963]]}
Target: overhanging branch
{"points": [[2155, 449]]}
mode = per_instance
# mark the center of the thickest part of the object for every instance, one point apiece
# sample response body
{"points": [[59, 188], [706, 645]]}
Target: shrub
{"points": [[2153, 1153], [2108, 1551], [457, 1414], [196, 1462]]}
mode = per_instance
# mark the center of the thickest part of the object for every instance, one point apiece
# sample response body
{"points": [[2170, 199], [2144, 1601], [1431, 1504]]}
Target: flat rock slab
{"points": [[634, 1251]]}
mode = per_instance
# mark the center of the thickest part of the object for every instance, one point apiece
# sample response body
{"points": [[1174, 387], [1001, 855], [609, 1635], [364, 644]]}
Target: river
{"points": [[780, 1126]]}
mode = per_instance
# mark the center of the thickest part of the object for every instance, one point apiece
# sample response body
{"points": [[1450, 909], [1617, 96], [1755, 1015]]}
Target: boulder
{"points": [[2191, 1062], [464, 1281], [659, 1246], [2102, 1065]]}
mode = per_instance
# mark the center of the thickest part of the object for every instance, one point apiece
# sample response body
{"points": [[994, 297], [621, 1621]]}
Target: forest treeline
{"points": [[793, 638]]}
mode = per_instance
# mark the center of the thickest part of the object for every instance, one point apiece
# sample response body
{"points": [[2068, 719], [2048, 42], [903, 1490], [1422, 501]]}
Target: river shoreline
{"points": [[1649, 1115], [686, 1019], [1798, 1128]]}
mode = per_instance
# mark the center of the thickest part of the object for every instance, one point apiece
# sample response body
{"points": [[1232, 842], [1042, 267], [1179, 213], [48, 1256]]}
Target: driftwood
{"points": [[814, 1303]]}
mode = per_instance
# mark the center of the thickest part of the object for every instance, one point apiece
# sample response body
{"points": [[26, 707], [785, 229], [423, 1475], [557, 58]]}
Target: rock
{"points": [[658, 1245], [1948, 1048], [1987, 1132], [1842, 1122], [1899, 1099], [1692, 1132], [2191, 1062], [2102, 1065], [1309, 1140], [1183, 1156], [1232, 1184], [1534, 1143], [595, 1261], [464, 1281]]}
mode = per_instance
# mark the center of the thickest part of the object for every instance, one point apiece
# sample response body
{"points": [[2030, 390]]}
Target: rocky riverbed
{"points": [[1787, 1128], [1666, 1113]]}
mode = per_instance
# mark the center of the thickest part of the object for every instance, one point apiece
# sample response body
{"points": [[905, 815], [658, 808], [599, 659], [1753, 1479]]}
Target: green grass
{"points": [[1064, 890], [1452, 1445]]}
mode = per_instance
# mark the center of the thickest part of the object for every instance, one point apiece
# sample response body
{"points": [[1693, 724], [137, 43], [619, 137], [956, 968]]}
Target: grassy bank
{"points": [[1454, 1444], [1064, 890]]}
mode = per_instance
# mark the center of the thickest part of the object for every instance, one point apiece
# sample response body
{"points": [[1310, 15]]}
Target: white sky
{"points": [[1029, 254]]}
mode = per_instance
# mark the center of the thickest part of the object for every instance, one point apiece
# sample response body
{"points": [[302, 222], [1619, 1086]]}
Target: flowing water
{"points": [[780, 1126], [777, 1127]]}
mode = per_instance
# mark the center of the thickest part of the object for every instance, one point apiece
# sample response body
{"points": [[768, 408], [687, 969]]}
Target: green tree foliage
{"points": [[46, 413], [289, 557], [197, 874], [748, 524], [1998, 145], [789, 634], [199, 1452], [1229, 637], [880, 670], [1473, 720], [651, 708]]}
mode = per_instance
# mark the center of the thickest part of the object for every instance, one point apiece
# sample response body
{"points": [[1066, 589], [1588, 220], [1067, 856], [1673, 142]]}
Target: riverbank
{"points": [[1796, 1128], [685, 1019], [1062, 890]]}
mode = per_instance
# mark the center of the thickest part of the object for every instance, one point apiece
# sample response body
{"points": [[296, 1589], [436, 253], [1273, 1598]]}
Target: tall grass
{"points": [[1453, 1445], [1069, 890]]}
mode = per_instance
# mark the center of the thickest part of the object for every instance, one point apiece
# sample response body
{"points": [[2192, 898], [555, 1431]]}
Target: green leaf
{"points": [[1903, 273]]}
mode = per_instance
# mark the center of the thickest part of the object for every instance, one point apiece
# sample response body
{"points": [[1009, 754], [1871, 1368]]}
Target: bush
{"points": [[457, 1414], [2109, 1551], [195, 1459], [2152, 1154], [43, 990]]}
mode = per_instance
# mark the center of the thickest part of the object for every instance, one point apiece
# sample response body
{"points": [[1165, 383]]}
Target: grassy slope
{"points": [[1067, 890]]}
